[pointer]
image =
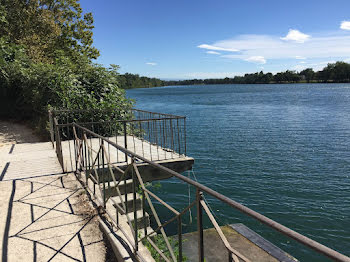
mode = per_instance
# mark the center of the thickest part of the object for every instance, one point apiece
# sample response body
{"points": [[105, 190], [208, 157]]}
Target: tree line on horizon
{"points": [[338, 72]]}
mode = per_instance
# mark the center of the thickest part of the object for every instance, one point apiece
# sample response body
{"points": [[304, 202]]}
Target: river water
{"points": [[282, 150]]}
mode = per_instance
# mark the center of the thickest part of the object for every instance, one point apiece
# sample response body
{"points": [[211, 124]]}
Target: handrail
{"points": [[111, 110], [263, 219], [121, 121]]}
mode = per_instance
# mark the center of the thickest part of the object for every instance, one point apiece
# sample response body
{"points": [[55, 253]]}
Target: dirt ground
{"points": [[46, 217], [14, 132]]}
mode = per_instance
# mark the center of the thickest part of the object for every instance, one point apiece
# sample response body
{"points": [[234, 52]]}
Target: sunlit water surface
{"points": [[282, 150]]}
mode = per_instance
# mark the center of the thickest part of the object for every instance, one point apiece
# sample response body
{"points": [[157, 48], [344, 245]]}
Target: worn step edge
{"points": [[121, 246]]}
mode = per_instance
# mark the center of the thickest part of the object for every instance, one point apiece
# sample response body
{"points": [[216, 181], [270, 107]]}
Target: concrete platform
{"points": [[162, 156], [241, 238]]}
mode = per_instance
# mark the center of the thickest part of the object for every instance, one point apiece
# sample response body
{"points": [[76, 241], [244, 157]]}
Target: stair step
{"points": [[129, 203], [141, 220], [123, 187]]}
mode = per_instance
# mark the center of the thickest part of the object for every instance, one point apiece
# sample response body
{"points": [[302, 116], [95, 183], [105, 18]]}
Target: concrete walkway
{"points": [[44, 214]]}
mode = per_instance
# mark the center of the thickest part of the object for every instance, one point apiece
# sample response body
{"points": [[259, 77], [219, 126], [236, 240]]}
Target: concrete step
{"points": [[129, 203], [124, 187], [142, 221]]}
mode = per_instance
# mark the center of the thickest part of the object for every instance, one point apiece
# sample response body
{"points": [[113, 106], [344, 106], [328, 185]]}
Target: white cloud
{"points": [[296, 36], [151, 63], [217, 48], [345, 25], [326, 46], [256, 59], [213, 53]]}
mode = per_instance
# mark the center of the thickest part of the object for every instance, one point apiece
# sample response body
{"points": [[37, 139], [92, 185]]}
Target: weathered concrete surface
{"points": [[156, 153], [28, 160], [44, 215], [121, 238], [214, 249], [48, 219]]}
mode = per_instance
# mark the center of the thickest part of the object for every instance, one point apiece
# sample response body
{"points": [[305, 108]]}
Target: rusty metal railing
{"points": [[95, 162], [156, 136]]}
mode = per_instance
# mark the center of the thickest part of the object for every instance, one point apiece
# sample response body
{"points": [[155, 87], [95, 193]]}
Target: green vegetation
{"points": [[128, 81], [46, 60], [160, 243], [338, 72]]}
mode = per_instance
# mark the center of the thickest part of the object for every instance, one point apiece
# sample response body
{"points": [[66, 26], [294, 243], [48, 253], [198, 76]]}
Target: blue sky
{"points": [[213, 39]]}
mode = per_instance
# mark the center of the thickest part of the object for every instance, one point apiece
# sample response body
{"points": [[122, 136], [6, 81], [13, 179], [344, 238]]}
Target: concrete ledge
{"points": [[120, 248], [264, 244]]}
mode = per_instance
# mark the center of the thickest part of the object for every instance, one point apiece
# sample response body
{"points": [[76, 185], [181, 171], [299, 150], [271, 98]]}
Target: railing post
{"points": [[230, 258], [199, 197], [103, 173], [144, 212], [51, 129], [87, 160], [180, 237], [185, 136], [58, 144], [125, 141], [134, 207]]}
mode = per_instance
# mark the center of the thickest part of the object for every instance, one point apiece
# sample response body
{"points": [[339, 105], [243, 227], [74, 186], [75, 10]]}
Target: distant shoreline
{"points": [[338, 72], [272, 83]]}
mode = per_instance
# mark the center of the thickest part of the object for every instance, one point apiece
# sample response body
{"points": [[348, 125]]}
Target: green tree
{"points": [[46, 57], [308, 73], [47, 28]]}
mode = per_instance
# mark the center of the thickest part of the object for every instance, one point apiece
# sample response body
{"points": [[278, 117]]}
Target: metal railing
{"points": [[156, 136], [95, 163]]}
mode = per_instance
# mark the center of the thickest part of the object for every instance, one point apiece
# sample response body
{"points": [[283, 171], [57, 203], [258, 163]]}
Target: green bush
{"points": [[29, 89], [46, 57]]}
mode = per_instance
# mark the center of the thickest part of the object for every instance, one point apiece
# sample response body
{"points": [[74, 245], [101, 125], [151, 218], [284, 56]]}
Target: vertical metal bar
{"points": [[172, 137], [125, 141], [98, 159], [82, 152], [178, 136], [103, 173], [144, 212], [134, 206], [116, 140], [156, 137], [126, 196], [84, 149], [133, 135], [117, 215], [87, 173], [230, 258], [149, 140], [164, 141], [185, 136], [200, 227], [179, 230], [51, 129], [141, 137]]}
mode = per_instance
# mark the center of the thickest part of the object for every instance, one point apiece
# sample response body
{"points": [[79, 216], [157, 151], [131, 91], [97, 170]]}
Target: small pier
{"points": [[152, 152]]}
